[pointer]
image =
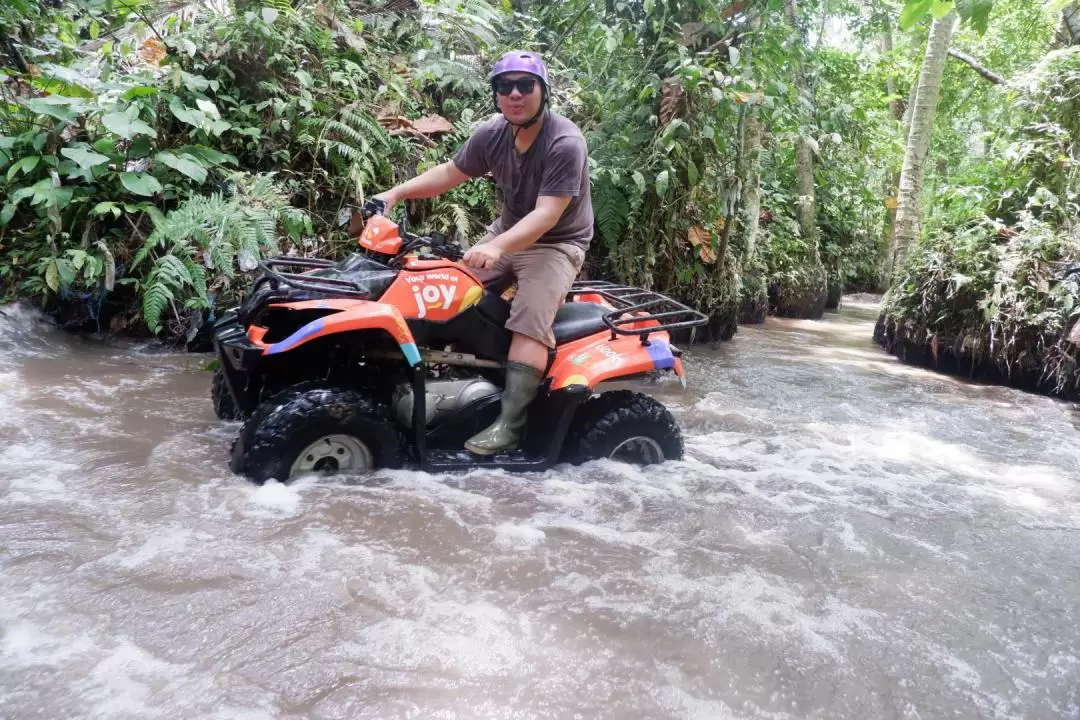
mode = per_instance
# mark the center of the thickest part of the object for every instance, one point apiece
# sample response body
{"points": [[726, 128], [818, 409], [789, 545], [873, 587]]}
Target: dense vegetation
{"points": [[745, 155]]}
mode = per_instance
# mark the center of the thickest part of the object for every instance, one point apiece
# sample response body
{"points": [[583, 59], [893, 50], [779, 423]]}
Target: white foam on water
{"points": [[652, 541], [467, 640], [274, 499], [515, 536], [684, 705], [229, 713], [436, 488], [163, 542], [779, 609], [35, 475], [126, 681], [12, 392], [27, 644]]}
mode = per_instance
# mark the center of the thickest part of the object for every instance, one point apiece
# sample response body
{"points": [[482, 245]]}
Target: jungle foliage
{"points": [[743, 154]]}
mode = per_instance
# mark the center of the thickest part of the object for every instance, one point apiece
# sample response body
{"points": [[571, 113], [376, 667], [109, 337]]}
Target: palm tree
{"points": [[909, 197]]}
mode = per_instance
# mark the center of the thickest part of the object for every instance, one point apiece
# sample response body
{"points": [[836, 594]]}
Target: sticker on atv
{"points": [[434, 294]]}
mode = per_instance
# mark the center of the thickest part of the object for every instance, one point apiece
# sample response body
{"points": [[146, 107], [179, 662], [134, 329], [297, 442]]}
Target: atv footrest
{"points": [[457, 460]]}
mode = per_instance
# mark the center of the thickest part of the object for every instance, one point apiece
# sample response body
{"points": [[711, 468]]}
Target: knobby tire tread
{"points": [[614, 416], [224, 407], [290, 420]]}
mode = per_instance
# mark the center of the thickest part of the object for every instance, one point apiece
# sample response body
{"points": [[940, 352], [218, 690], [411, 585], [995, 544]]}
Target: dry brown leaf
{"points": [[699, 236], [152, 52], [891, 203], [707, 255], [753, 98], [433, 125], [673, 102]]}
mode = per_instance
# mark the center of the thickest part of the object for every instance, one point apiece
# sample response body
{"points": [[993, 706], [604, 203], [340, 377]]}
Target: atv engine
{"points": [[443, 397]]}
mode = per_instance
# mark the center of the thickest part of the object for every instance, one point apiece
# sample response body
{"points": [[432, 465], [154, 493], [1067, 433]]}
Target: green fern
{"points": [[612, 210], [353, 141], [211, 232]]}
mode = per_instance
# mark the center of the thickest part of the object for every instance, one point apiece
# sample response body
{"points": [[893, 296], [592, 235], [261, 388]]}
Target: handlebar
{"points": [[440, 245]]}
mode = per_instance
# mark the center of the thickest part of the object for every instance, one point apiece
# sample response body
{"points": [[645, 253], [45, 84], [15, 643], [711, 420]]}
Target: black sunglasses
{"points": [[524, 85]]}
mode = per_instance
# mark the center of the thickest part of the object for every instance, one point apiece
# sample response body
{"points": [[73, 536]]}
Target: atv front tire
{"points": [[224, 406], [627, 426], [314, 429]]}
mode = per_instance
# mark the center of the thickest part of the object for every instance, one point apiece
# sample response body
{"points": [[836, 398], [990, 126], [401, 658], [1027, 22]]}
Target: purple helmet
{"points": [[521, 61]]}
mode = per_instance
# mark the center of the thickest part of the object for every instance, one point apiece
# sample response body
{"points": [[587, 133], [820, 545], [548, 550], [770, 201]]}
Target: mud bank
{"points": [[965, 355]]}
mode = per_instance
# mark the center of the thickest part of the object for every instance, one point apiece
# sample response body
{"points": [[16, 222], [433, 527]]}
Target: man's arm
{"points": [[532, 227], [524, 233], [428, 184]]}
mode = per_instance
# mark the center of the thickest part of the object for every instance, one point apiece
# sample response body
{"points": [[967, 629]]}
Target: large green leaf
{"points": [[126, 126], [662, 183], [185, 164], [139, 91], [209, 108], [140, 183], [60, 107], [976, 12], [913, 11], [51, 278], [185, 114], [25, 166], [209, 155], [941, 8], [83, 157]]}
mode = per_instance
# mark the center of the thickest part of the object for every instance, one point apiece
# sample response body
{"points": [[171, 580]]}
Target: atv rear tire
{"points": [[224, 406], [624, 425], [315, 429]]}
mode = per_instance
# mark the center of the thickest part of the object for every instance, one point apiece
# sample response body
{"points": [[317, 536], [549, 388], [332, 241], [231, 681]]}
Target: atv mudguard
{"points": [[347, 316], [594, 359]]}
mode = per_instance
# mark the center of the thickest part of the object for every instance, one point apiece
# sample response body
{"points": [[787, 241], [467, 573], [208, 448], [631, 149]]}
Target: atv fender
{"points": [[350, 316], [594, 359]]}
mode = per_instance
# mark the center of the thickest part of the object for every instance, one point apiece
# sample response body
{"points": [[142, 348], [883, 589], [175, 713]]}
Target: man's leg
{"points": [[544, 274]]}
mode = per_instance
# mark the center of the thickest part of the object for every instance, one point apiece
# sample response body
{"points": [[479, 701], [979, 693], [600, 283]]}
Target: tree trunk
{"points": [[804, 156], [804, 186], [908, 210], [806, 296], [751, 184], [1068, 30], [898, 110]]}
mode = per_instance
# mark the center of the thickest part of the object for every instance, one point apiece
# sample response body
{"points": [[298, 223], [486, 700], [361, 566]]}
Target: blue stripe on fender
{"points": [[660, 352], [296, 338], [412, 355]]}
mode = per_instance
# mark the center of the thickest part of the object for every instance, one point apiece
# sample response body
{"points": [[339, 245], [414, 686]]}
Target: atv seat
{"points": [[573, 321], [576, 320]]}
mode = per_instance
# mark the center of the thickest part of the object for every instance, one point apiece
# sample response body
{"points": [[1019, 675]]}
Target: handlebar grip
{"points": [[374, 206]]}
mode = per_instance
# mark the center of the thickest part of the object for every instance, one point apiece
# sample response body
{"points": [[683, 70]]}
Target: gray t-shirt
{"points": [[557, 164]]}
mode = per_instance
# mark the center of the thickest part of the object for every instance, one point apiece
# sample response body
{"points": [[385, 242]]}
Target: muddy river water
{"points": [[847, 537]]}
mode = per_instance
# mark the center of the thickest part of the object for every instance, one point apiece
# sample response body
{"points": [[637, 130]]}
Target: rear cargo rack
{"points": [[633, 305]]}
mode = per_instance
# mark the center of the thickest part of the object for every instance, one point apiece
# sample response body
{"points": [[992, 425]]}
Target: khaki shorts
{"points": [[544, 274]]}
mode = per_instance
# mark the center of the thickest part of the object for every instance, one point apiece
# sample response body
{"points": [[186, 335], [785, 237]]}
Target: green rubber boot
{"points": [[503, 435]]}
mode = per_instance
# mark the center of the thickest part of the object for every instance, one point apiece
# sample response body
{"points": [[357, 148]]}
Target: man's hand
{"points": [[387, 197], [483, 256]]}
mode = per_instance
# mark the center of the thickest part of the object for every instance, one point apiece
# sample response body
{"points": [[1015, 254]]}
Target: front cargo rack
{"points": [[634, 305], [311, 283]]}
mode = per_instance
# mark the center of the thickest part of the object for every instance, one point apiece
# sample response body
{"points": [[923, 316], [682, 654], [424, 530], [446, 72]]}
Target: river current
{"points": [[848, 537]]}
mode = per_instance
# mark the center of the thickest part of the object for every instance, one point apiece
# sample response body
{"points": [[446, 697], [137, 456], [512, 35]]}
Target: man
{"points": [[539, 160]]}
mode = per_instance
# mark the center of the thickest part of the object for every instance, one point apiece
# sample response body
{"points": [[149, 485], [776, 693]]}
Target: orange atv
{"points": [[396, 356]]}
